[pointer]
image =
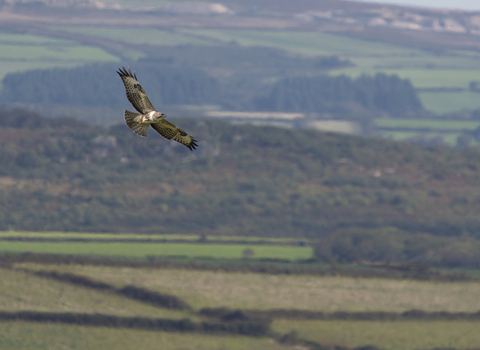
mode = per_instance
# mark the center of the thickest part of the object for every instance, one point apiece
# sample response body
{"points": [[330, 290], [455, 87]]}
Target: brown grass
{"points": [[30, 336], [260, 291], [386, 335], [21, 291]]}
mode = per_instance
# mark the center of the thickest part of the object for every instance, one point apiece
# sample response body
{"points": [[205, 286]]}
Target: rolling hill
{"points": [[66, 175]]}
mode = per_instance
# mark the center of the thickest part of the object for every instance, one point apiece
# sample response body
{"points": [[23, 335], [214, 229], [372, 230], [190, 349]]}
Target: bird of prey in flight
{"points": [[147, 115]]}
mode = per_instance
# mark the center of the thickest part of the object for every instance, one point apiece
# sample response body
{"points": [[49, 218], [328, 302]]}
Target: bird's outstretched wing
{"points": [[172, 132], [135, 94]]}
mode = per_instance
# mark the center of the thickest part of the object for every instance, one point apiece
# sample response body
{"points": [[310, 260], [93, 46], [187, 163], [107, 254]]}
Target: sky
{"points": [[449, 4]]}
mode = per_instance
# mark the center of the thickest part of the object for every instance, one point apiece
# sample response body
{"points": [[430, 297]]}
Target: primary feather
{"points": [[147, 115]]}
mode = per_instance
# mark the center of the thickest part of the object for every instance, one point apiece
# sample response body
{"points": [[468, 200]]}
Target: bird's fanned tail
{"points": [[132, 124]]}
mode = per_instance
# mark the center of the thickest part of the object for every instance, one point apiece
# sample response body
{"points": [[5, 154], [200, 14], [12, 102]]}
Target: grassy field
{"points": [[141, 250], [447, 102], [19, 52], [29, 336], [387, 335], [22, 291], [435, 124], [260, 291], [138, 36], [42, 53], [307, 43], [448, 130], [139, 236], [449, 138]]}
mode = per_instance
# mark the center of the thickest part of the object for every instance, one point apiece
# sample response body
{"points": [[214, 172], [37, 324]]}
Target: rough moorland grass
{"points": [[21, 291], [260, 291], [427, 124], [387, 335], [140, 250], [30, 336]]}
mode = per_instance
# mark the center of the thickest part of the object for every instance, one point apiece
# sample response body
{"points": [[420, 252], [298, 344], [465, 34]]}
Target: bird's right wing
{"points": [[135, 94], [172, 132]]}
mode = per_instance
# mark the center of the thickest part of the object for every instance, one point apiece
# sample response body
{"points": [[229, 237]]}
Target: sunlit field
{"points": [[22, 291], [263, 291], [387, 335], [30, 336], [142, 250]]}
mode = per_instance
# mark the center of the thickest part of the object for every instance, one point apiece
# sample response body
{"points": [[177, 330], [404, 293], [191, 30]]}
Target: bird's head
{"points": [[158, 116]]}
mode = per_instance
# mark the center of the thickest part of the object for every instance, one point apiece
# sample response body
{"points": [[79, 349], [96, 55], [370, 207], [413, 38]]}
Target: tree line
{"points": [[169, 84], [380, 93]]}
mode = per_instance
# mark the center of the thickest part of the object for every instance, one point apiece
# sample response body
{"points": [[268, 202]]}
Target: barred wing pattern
{"points": [[172, 132], [135, 94]]}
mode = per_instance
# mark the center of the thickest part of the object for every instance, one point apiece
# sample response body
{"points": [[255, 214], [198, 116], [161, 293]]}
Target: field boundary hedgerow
{"points": [[263, 266], [250, 328], [226, 314]]}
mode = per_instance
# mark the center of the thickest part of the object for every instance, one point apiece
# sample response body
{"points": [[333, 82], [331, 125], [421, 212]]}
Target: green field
{"points": [[19, 52], [138, 36], [450, 138], [85, 235], [54, 53], [448, 130], [387, 335], [11, 38], [30, 336], [307, 43], [139, 236], [434, 124], [141, 250], [447, 102]]}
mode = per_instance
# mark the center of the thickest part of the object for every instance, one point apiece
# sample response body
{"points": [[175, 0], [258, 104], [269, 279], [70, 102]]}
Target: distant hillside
{"points": [[61, 174]]}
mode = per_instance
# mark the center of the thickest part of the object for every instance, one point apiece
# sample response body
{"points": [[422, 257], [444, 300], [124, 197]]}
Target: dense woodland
{"points": [[171, 84], [353, 192], [380, 93]]}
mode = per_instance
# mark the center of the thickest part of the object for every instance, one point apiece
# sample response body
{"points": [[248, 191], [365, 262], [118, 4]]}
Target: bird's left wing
{"points": [[172, 132], [135, 94]]}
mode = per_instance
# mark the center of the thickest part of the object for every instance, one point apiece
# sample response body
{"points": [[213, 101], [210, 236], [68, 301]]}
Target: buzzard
{"points": [[139, 122]]}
